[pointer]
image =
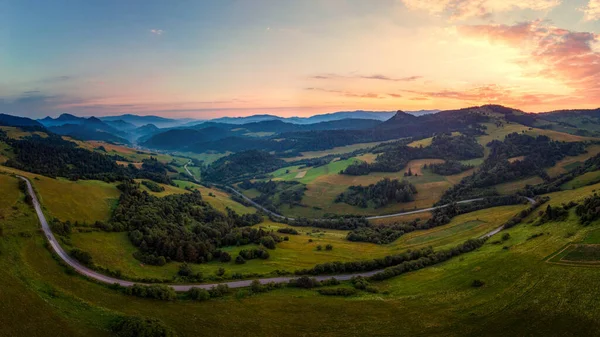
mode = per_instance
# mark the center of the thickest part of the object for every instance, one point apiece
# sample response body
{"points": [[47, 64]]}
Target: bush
{"points": [[240, 260], [219, 291], [184, 270], [305, 282], [140, 327], [155, 291], [477, 283], [338, 292], [268, 242], [225, 257], [329, 247], [82, 256], [288, 230], [198, 294]]}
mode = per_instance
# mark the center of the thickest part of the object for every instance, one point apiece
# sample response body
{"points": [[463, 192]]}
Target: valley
{"points": [[502, 233]]}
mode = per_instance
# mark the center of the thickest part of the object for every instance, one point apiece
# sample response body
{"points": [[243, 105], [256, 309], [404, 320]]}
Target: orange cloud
{"points": [[485, 94], [556, 53]]}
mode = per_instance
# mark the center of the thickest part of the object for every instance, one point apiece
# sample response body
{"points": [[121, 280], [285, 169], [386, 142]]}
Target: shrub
{"points": [[329, 247], [140, 327], [477, 283], [338, 292], [240, 260], [225, 257], [305, 282], [82, 256], [198, 294]]}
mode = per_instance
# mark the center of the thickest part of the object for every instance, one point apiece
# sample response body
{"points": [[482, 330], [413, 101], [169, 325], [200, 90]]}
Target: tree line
{"points": [[382, 193], [395, 157]]}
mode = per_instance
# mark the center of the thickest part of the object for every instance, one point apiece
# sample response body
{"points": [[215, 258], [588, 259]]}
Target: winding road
{"points": [[85, 271], [375, 217]]}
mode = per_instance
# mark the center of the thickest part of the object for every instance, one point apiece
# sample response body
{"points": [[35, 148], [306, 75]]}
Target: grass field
{"points": [[427, 141], [18, 133], [113, 250], [290, 173], [220, 201], [570, 163], [582, 180], [514, 186], [82, 200], [322, 190], [435, 301], [337, 150]]}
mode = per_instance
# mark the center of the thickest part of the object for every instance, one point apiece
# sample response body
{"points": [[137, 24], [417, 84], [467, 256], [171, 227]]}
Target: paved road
{"points": [[177, 287]]}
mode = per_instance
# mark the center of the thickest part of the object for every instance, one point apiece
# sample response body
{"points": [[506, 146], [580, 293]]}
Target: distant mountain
{"points": [[182, 138], [83, 133], [91, 129], [178, 139], [8, 120], [160, 122], [121, 125], [358, 114], [61, 120]]}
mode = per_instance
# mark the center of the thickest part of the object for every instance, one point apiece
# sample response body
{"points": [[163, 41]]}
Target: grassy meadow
{"points": [[518, 283], [114, 251]]}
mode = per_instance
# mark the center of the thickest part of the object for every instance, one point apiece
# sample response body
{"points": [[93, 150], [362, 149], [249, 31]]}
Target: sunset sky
{"points": [[205, 59]]}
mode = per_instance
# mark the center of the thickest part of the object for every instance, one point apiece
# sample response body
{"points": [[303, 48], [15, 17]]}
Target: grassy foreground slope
{"points": [[522, 295]]}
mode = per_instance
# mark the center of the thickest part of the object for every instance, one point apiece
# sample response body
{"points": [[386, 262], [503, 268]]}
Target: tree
{"points": [[268, 242], [239, 260], [184, 270], [225, 257], [329, 246]]}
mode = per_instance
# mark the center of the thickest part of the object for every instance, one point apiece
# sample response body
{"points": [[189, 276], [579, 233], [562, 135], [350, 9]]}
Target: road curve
{"points": [[83, 270]]}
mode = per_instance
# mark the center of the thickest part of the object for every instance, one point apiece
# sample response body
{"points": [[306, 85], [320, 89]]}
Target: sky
{"points": [[212, 58]]}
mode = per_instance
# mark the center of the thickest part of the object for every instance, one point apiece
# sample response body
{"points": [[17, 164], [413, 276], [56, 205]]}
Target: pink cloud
{"points": [[561, 54]]}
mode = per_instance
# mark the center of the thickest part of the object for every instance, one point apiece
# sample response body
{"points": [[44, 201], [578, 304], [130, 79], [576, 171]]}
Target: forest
{"points": [[448, 168], [395, 157], [382, 193], [388, 233], [276, 193], [539, 152], [181, 227], [241, 166], [55, 157]]}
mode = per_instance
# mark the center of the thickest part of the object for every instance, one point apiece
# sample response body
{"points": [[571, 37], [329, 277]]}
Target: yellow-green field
{"points": [[582, 180], [17, 133], [337, 150], [556, 300], [570, 163], [220, 200], [514, 186], [323, 189], [114, 251], [427, 141], [82, 200]]}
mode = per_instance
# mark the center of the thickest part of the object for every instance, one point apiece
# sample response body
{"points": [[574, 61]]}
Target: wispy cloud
{"points": [[591, 12], [379, 77], [347, 93], [157, 31], [465, 9], [490, 93]]}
